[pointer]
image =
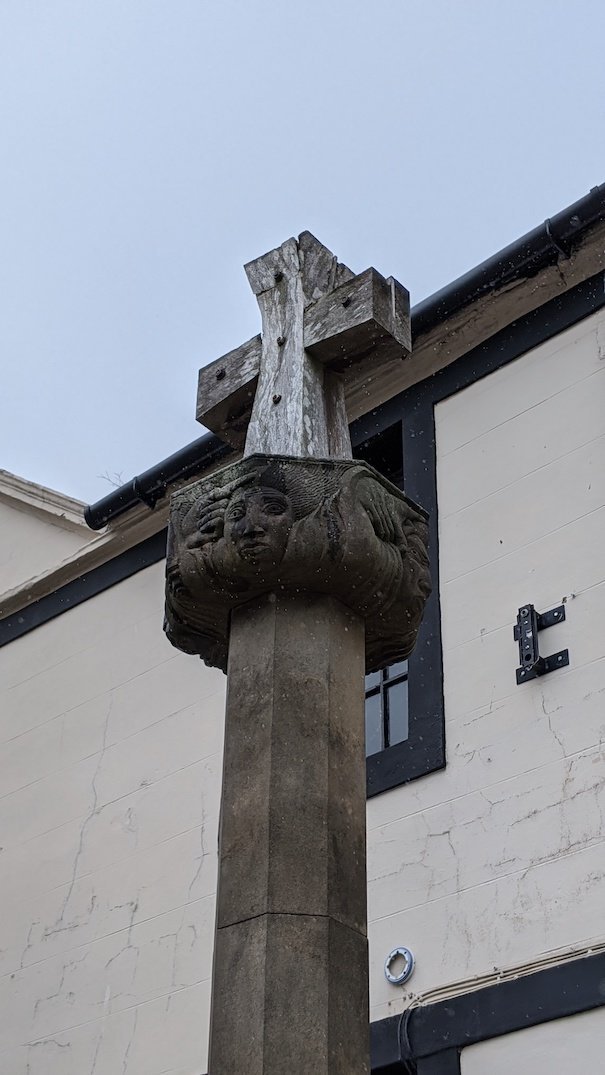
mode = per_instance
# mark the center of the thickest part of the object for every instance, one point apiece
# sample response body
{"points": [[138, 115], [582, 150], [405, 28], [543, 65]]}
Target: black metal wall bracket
{"points": [[529, 622]]}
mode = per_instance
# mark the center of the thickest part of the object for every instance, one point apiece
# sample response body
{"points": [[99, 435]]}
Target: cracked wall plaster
{"points": [[111, 763]]}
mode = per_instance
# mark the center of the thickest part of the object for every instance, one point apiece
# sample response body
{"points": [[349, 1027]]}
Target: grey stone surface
{"points": [[293, 817], [281, 524], [290, 996], [290, 968]]}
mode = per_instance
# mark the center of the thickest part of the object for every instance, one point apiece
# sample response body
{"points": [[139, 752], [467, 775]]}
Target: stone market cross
{"points": [[296, 569]]}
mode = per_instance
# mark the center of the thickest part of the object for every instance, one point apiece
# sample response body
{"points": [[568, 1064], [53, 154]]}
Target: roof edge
{"points": [[151, 485], [543, 246], [64, 511]]}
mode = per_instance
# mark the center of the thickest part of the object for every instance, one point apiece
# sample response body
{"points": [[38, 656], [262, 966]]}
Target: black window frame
{"points": [[399, 440]]}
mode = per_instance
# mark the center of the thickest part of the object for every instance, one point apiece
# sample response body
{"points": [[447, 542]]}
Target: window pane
{"points": [[372, 680], [373, 725], [397, 703], [401, 668]]}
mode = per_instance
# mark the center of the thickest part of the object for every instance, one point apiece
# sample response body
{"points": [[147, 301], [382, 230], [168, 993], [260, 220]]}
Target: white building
{"points": [[485, 813]]}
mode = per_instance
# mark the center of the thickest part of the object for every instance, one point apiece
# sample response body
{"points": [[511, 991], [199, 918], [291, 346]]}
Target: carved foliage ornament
{"points": [[273, 523]]}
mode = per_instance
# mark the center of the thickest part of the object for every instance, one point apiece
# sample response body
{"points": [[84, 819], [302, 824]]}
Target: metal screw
{"points": [[221, 374], [281, 341], [276, 398]]}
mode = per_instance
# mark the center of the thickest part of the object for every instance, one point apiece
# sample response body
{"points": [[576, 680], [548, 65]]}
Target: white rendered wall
{"points": [[110, 771], [111, 760], [500, 858], [576, 1044], [30, 544]]}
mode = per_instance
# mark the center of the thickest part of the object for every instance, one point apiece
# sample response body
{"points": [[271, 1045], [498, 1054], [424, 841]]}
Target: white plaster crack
{"points": [[28, 943], [89, 817], [128, 947], [203, 850], [42, 1044], [548, 713], [77, 920], [130, 1041], [97, 1049], [66, 966]]}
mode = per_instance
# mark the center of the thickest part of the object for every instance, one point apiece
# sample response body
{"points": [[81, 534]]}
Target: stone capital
{"points": [[276, 524]]}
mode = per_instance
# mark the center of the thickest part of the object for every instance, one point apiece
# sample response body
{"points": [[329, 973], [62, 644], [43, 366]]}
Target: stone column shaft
{"points": [[295, 577], [290, 989]]}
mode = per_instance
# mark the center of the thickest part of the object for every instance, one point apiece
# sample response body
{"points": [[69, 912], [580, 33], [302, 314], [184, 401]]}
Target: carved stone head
{"points": [[258, 522], [325, 526]]}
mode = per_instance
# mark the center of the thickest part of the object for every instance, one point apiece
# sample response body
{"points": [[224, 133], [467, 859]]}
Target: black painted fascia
{"points": [[443, 1029]]}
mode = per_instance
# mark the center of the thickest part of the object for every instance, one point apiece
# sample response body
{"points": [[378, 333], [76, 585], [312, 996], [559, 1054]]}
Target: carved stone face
{"points": [[325, 526], [258, 524]]}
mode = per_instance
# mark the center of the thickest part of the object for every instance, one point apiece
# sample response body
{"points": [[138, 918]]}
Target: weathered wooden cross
{"points": [[326, 335], [301, 568]]}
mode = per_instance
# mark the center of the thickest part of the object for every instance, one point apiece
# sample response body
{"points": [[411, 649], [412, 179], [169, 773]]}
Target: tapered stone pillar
{"points": [[295, 577], [291, 916]]}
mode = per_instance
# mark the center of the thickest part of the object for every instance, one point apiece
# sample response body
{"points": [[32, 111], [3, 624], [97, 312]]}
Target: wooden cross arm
{"points": [[367, 313], [358, 329], [226, 390]]}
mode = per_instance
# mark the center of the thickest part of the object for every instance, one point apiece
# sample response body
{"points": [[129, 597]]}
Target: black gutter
{"points": [[151, 486], [524, 258]]}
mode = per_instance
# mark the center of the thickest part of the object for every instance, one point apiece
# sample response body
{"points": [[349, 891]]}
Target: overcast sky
{"points": [[151, 147]]}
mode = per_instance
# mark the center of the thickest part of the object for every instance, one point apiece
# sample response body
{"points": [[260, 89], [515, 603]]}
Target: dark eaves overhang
{"points": [[150, 486], [533, 252]]}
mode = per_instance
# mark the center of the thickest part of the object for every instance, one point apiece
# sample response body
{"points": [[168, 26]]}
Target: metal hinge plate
{"points": [[529, 623]]}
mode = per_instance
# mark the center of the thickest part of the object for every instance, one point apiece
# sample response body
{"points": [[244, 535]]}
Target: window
{"points": [[405, 735], [387, 719]]}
